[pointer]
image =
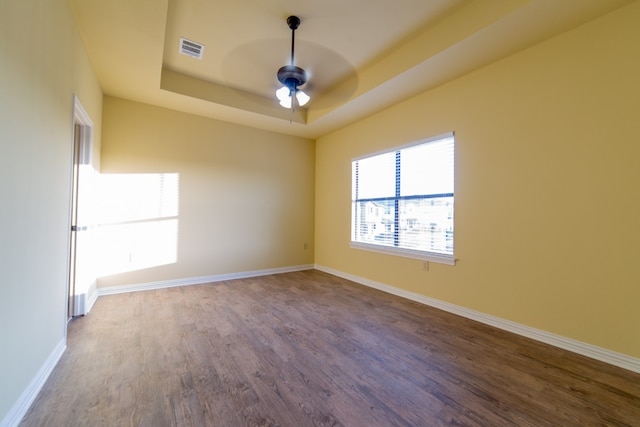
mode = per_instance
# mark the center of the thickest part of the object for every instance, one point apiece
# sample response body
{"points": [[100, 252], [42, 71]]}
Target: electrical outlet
{"points": [[305, 246], [425, 265]]}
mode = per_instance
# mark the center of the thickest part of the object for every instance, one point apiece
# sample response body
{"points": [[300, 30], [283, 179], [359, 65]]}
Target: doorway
{"points": [[82, 175]]}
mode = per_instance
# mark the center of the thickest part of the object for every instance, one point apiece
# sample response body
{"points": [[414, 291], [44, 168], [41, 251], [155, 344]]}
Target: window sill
{"points": [[407, 253]]}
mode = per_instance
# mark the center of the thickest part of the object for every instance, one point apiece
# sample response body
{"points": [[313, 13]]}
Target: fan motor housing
{"points": [[292, 76]]}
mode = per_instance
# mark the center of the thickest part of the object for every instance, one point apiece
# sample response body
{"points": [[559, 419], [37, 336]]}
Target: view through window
{"points": [[402, 200]]}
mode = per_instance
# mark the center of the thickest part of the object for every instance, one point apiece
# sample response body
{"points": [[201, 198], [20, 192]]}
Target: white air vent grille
{"points": [[191, 48]]}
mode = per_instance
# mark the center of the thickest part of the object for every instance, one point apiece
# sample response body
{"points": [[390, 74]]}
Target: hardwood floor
{"points": [[310, 349]]}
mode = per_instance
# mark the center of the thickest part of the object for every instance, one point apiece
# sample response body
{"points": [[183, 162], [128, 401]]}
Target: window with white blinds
{"points": [[402, 200]]}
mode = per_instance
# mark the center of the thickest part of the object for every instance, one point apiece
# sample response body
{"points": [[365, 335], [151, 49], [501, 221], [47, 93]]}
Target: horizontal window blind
{"points": [[403, 200]]}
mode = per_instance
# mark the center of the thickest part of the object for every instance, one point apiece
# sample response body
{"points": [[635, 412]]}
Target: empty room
{"points": [[285, 213]]}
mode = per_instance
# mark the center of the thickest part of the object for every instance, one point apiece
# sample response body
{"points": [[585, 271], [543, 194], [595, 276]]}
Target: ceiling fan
{"points": [[292, 76]]}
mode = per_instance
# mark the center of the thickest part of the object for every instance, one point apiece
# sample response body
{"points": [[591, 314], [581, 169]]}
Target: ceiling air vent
{"points": [[190, 48]]}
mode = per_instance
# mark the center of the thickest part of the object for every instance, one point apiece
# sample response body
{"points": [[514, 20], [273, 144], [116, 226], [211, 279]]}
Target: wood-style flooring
{"points": [[310, 349]]}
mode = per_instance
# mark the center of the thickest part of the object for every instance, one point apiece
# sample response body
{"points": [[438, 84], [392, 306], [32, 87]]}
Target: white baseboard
{"points": [[80, 305], [594, 352], [93, 297], [22, 405], [84, 302], [198, 280]]}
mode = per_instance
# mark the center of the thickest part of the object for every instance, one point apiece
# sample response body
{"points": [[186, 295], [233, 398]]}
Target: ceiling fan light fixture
{"points": [[291, 76], [286, 100], [284, 96], [283, 93], [286, 103], [302, 97]]}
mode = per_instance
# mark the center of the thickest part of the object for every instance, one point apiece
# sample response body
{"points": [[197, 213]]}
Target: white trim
{"points": [[592, 351], [80, 115], [22, 405], [82, 118], [198, 280], [450, 134], [403, 252], [93, 297], [84, 301]]}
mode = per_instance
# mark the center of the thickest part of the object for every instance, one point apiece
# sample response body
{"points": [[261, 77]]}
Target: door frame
{"points": [[81, 153]]}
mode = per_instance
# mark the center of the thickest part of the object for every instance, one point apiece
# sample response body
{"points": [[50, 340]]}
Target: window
{"points": [[402, 201]]}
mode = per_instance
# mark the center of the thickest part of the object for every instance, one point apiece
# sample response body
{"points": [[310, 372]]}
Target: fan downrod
{"points": [[290, 75]]}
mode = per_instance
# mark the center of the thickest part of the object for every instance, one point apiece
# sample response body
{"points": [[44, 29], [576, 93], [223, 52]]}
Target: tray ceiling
{"points": [[362, 55]]}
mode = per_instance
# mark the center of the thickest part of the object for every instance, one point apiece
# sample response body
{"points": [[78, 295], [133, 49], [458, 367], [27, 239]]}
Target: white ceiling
{"points": [[361, 55]]}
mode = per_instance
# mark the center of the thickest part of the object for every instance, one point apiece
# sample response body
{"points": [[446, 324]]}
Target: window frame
{"points": [[423, 255]]}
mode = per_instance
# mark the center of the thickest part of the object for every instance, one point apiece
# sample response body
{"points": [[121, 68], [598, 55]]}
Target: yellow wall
{"points": [[246, 196], [547, 210], [43, 64]]}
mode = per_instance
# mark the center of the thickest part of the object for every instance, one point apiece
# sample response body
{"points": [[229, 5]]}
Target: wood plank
{"points": [[311, 349]]}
